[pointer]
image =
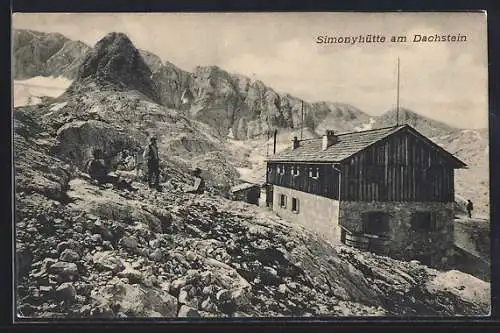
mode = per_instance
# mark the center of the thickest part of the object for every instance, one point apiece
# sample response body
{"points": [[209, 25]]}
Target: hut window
{"points": [[295, 170], [314, 172], [282, 201], [281, 170], [423, 221], [375, 223], [295, 205]]}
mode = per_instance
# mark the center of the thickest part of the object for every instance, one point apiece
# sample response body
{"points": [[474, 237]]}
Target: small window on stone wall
{"points": [[283, 201], [375, 223], [295, 205], [423, 221]]}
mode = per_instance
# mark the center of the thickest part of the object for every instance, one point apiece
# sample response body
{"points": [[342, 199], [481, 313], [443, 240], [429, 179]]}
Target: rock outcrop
{"points": [[77, 140], [247, 108], [114, 60]]}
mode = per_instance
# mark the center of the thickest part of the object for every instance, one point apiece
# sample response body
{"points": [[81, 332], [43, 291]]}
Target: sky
{"points": [[446, 81]]}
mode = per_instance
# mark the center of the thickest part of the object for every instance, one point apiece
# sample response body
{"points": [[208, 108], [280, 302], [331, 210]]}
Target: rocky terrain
{"points": [[112, 104], [86, 251]]}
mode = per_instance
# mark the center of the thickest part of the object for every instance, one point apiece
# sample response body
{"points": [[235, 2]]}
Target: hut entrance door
{"points": [[269, 196]]}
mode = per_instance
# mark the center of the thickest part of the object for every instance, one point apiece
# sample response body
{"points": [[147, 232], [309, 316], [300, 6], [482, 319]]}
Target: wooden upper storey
{"points": [[390, 164]]}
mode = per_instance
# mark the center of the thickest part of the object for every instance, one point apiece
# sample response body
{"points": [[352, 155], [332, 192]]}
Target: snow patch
{"points": [[30, 91]]}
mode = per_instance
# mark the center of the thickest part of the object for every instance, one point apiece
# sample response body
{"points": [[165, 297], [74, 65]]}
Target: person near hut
{"points": [[470, 208], [199, 183], [99, 172], [153, 164]]}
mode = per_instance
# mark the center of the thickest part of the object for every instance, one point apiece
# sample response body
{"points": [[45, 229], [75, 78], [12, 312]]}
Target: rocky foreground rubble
{"points": [[89, 251], [114, 254]]}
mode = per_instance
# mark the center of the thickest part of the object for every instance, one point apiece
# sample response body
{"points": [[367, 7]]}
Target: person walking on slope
{"points": [[470, 208], [153, 162]]}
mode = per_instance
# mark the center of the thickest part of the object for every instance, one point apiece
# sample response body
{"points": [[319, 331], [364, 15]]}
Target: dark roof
{"points": [[243, 186], [347, 145]]}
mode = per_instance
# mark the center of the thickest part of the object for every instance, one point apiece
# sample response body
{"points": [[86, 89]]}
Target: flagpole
{"points": [[301, 119], [397, 99]]}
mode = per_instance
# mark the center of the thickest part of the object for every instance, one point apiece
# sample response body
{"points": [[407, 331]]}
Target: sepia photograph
{"points": [[250, 165]]}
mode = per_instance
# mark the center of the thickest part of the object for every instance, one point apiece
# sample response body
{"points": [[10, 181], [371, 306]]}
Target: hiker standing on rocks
{"points": [[153, 161], [470, 208]]}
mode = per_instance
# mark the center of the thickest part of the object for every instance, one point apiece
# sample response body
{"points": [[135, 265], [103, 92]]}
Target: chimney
{"points": [[295, 142], [329, 138]]}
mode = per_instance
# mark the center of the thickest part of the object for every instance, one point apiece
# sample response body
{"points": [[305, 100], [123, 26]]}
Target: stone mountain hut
{"points": [[388, 190]]}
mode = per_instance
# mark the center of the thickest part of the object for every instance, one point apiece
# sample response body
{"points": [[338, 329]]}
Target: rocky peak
{"points": [[116, 60]]}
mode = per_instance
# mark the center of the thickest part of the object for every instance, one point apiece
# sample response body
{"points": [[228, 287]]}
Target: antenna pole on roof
{"points": [[301, 119], [267, 143], [397, 99]]}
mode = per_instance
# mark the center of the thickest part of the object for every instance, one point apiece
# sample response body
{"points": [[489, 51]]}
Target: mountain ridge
{"points": [[173, 83], [247, 107]]}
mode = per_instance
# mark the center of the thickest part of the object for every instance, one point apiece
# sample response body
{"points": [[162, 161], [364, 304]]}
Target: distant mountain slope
{"points": [[45, 54], [472, 147], [152, 60], [427, 126], [247, 108]]}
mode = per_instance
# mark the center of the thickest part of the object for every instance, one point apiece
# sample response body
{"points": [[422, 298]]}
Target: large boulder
{"points": [[107, 261], [77, 139], [66, 271]]}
